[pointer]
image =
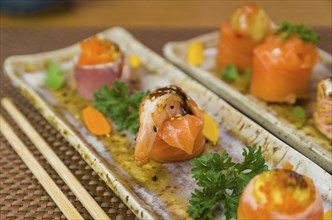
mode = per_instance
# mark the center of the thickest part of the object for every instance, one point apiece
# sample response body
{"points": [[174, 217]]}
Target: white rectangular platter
{"points": [[112, 157], [277, 118]]}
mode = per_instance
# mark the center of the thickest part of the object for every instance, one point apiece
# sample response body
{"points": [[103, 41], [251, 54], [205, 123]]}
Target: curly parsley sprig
{"points": [[304, 33], [222, 181], [118, 105]]}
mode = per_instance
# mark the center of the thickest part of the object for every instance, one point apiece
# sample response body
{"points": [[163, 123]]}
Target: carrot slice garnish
{"points": [[96, 121]]}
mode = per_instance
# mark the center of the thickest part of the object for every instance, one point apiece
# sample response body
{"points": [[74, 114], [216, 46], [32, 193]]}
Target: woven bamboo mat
{"points": [[21, 196]]}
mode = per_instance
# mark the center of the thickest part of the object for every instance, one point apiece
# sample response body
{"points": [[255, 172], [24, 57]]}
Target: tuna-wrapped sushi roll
{"points": [[100, 63]]}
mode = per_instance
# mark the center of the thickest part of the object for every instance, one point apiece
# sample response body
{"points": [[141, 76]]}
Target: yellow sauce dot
{"points": [[195, 54], [328, 215], [210, 129], [135, 61]]}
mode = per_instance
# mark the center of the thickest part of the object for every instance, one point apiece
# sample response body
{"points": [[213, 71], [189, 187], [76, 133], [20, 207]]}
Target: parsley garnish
{"points": [[222, 181], [121, 107], [304, 33], [230, 73], [53, 78]]}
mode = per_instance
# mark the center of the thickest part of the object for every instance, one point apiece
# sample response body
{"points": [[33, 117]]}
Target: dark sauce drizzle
{"points": [[299, 180], [178, 91]]}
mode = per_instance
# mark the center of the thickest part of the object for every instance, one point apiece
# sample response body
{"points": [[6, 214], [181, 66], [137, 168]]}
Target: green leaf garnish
{"points": [[304, 33], [230, 73], [300, 114], [222, 181], [118, 105], [53, 78], [246, 77], [247, 72]]}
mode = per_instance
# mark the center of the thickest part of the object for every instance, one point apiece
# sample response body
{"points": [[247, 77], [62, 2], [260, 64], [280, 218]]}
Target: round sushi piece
{"points": [[323, 112], [171, 127], [247, 27], [280, 194], [282, 69], [101, 62]]}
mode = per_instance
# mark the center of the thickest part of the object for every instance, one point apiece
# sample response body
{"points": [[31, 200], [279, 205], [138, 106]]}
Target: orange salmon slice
{"points": [[181, 132]]}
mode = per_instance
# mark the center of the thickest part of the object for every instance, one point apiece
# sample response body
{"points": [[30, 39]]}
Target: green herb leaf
{"points": [[118, 105], [247, 73], [230, 73], [300, 114], [222, 181], [246, 78], [53, 78], [304, 33]]}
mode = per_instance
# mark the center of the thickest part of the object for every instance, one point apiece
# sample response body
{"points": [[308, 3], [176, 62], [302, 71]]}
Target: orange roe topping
{"points": [[283, 191], [96, 51]]}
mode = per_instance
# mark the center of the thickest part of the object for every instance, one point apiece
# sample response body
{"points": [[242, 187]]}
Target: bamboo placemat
{"points": [[21, 196]]}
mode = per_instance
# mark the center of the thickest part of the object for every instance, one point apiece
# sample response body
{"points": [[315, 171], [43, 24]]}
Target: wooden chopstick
{"points": [[38, 171], [88, 202]]}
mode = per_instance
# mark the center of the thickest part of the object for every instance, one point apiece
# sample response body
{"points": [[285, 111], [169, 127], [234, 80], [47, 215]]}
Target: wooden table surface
{"points": [[156, 14]]}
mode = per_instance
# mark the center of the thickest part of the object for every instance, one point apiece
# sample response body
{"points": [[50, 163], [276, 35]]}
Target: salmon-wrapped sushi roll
{"points": [[171, 126], [247, 28], [283, 65], [100, 63], [323, 112], [280, 194]]}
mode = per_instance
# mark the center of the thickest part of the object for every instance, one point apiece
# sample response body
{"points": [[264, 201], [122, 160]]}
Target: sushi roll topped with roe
{"points": [[100, 63]]}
